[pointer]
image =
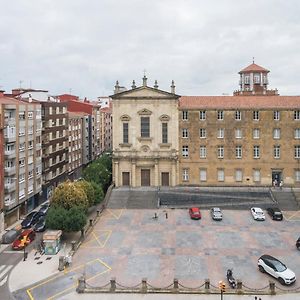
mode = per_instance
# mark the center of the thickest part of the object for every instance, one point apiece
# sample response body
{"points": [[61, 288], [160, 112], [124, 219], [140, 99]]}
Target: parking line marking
{"points": [[96, 238], [5, 270], [117, 217]]}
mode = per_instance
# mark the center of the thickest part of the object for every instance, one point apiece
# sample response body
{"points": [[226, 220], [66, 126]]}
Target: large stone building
{"points": [[145, 136], [249, 139]]}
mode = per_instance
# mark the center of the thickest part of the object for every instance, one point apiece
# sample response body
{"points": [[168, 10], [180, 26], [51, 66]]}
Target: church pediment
{"points": [[145, 112]]}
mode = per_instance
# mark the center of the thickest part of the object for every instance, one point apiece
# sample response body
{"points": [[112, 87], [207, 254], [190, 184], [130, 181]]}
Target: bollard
{"points": [[81, 285], [91, 222], [113, 285], [61, 263], [239, 286], [272, 287], [144, 286], [175, 285], [98, 213], [73, 243], [207, 285]]}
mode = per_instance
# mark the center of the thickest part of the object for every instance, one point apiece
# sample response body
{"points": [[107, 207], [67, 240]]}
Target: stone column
{"points": [[133, 174], [156, 173], [173, 173], [116, 173]]}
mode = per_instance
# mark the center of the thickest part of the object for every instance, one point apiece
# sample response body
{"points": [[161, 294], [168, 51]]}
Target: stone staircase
{"points": [[285, 199]]}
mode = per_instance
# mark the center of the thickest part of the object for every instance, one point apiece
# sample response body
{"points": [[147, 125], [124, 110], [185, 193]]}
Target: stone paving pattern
{"points": [[135, 245]]}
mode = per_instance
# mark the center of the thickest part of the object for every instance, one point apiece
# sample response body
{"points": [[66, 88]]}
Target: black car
{"points": [[275, 213], [44, 208], [298, 244], [31, 219], [40, 225]]}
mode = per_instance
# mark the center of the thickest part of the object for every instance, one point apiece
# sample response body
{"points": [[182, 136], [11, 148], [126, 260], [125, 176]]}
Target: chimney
{"points": [[172, 87], [155, 84], [2, 93], [133, 85], [117, 87], [29, 98], [144, 80]]}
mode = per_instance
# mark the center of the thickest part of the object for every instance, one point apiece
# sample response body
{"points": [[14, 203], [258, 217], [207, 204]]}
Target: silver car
{"points": [[216, 213]]}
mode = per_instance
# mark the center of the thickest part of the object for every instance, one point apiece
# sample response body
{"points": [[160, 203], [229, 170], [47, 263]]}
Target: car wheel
{"points": [[261, 269], [281, 281]]}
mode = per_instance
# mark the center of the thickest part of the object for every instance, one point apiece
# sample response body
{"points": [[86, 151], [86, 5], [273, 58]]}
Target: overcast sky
{"points": [[86, 45]]}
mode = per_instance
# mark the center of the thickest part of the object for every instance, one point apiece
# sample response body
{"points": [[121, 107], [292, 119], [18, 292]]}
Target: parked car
{"points": [[24, 239], [275, 213], [44, 208], [40, 225], [31, 219], [274, 267], [298, 243], [216, 213], [9, 236], [257, 214], [195, 213]]}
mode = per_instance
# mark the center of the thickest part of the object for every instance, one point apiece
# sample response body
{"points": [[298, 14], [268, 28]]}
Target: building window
{"points": [[238, 115], [256, 133], [297, 151], [185, 151], [125, 133], [184, 115], [220, 151], [164, 133], [221, 175], [238, 175], [145, 127], [297, 115], [185, 133], [238, 151], [276, 151], [30, 115], [202, 174], [238, 133], [220, 114], [256, 152], [247, 79], [256, 175], [202, 114], [256, 78], [276, 115], [202, 151], [185, 174], [297, 175], [220, 133], [256, 115], [202, 133], [276, 133], [297, 133]]}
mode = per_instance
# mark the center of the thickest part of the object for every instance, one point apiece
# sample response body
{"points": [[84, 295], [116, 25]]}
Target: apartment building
{"points": [[106, 128], [22, 157], [75, 146], [1, 167]]}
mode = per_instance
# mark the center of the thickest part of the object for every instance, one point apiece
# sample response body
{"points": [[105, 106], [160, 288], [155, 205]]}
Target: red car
{"points": [[24, 239], [195, 213]]}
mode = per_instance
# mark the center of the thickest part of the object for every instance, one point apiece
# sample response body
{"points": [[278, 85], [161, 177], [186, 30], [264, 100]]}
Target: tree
{"points": [[99, 195], [88, 189], [68, 195], [56, 217]]}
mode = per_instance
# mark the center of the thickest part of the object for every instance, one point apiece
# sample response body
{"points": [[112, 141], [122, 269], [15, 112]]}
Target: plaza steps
{"points": [[285, 198]]}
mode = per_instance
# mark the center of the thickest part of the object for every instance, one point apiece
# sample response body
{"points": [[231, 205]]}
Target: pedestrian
{"points": [[281, 184]]}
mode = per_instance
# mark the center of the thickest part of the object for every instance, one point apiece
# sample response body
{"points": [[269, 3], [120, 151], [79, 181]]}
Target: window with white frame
{"points": [[276, 151], [256, 151], [256, 115], [185, 151], [276, 115], [276, 133], [185, 174], [238, 133], [297, 175], [238, 115], [221, 175], [297, 151], [238, 151], [185, 133], [202, 133], [220, 151], [297, 115], [220, 115], [297, 133], [185, 115], [256, 78], [202, 151], [247, 79], [30, 115], [220, 134], [256, 175], [202, 174], [145, 127], [238, 175], [256, 133], [21, 178], [202, 114]]}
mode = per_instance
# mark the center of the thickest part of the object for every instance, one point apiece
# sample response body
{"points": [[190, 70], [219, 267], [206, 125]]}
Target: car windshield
{"points": [[259, 212], [279, 267], [196, 212], [277, 213]]}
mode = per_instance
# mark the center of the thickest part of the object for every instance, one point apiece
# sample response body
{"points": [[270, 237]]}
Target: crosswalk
{"points": [[4, 270]]}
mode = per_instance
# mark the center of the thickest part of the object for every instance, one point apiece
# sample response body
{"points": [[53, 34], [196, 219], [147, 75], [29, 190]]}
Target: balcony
{"points": [[10, 170], [9, 187], [10, 138], [10, 153], [9, 202]]}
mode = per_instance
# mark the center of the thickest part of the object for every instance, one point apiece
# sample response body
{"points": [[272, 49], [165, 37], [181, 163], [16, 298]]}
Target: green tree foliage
{"points": [[68, 195], [89, 190], [56, 217], [99, 195]]}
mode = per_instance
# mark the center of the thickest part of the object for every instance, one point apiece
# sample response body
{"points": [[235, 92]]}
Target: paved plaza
{"points": [[132, 244]]}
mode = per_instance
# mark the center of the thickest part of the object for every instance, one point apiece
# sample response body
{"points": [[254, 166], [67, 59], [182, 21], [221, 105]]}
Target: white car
{"points": [[257, 214], [216, 213], [274, 267]]}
